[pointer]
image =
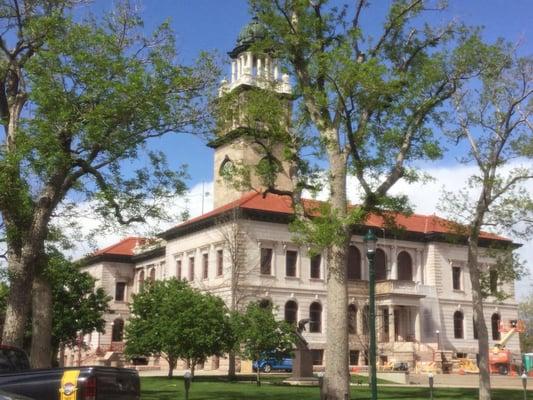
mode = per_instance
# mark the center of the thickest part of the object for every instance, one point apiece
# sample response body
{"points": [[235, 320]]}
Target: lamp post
{"points": [[370, 240], [438, 339]]}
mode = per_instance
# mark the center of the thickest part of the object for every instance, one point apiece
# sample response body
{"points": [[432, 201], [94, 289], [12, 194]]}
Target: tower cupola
{"points": [[249, 68]]}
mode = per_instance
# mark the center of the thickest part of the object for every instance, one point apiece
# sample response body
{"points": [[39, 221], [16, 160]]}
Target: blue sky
{"points": [[214, 25]]}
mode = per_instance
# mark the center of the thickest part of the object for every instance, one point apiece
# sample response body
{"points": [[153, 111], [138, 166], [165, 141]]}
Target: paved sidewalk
{"points": [[440, 380]]}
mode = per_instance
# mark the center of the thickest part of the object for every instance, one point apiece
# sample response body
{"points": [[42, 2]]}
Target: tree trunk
{"points": [[171, 366], [258, 376], [336, 378], [18, 301], [193, 367], [479, 321], [41, 339], [231, 365]]}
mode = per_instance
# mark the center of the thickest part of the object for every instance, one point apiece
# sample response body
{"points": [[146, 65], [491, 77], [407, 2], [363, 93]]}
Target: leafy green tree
{"points": [[78, 99], [78, 308], [261, 335], [173, 320], [495, 119], [366, 104]]}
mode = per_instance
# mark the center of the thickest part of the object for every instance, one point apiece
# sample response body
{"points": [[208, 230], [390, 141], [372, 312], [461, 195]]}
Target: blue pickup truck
{"points": [[273, 364]]}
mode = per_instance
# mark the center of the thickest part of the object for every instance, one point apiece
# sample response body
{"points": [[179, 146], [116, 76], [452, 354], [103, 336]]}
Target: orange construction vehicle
{"points": [[500, 358]]}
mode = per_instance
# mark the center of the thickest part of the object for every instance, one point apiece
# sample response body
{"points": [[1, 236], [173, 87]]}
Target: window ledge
{"points": [[267, 276], [459, 291], [292, 278], [316, 279]]}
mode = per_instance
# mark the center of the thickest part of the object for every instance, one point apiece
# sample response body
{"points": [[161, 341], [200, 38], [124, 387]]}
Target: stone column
{"points": [[259, 67], [233, 71], [359, 319], [418, 330], [391, 324], [249, 61], [419, 272], [276, 71], [394, 263]]}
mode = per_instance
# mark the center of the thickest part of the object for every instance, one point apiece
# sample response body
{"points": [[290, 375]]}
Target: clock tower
{"points": [[237, 152]]}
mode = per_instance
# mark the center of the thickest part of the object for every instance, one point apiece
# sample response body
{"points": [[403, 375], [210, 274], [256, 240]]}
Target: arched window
{"points": [[352, 319], [380, 263], [152, 275], [458, 325], [118, 330], [495, 324], [226, 167], [405, 267], [265, 303], [141, 281], [315, 318], [354, 263], [291, 312]]}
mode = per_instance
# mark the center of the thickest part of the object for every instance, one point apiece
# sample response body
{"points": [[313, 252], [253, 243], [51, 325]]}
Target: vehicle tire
{"points": [[267, 368], [503, 369]]}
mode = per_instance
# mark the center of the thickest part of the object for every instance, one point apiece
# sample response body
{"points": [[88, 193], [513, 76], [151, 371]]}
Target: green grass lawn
{"points": [[212, 388]]}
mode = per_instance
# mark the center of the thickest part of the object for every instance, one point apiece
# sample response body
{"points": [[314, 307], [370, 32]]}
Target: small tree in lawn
{"points": [[261, 335], [173, 320], [76, 306]]}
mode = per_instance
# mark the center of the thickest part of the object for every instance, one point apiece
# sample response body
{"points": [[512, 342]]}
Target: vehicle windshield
{"points": [[13, 360]]}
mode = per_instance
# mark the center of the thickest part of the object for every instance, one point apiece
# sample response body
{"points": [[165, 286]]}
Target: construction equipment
{"points": [[500, 357]]}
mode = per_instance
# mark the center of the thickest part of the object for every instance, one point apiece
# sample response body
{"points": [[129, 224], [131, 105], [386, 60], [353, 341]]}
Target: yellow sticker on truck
{"points": [[69, 385]]}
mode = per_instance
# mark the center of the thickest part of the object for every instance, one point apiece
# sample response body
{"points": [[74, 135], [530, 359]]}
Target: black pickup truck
{"points": [[83, 383]]}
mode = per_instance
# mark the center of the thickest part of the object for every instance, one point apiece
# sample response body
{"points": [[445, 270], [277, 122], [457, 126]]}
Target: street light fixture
{"points": [[438, 339], [370, 240]]}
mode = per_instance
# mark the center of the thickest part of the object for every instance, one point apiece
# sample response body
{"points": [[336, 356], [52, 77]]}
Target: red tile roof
{"points": [[283, 205], [124, 247]]}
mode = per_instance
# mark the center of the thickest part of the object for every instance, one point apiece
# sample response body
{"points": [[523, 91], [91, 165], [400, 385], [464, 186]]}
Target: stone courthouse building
{"points": [[242, 250]]}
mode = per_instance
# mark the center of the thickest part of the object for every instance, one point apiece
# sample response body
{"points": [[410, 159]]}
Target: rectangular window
{"points": [[191, 268], [120, 291], [456, 277], [354, 357], [315, 266], [220, 262], [178, 269], [205, 263], [291, 257], [493, 278], [266, 261], [317, 356]]}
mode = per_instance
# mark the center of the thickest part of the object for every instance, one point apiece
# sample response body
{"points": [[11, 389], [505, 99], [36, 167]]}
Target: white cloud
{"points": [[87, 222]]}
